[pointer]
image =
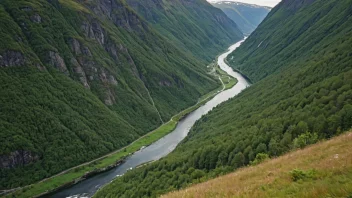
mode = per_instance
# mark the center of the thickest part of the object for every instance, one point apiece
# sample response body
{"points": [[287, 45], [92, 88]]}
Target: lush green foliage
{"points": [[298, 174], [90, 77], [41, 115], [305, 139], [261, 157], [195, 26], [300, 60], [246, 16]]}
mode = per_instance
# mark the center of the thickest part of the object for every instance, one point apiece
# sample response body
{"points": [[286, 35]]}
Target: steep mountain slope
{"points": [[194, 26], [302, 92], [246, 16], [80, 79], [322, 170], [301, 35]]}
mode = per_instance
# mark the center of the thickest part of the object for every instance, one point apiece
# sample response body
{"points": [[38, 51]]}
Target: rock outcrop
{"points": [[94, 31], [57, 61], [80, 72], [165, 83], [108, 81], [36, 18], [116, 11], [11, 58], [17, 158]]}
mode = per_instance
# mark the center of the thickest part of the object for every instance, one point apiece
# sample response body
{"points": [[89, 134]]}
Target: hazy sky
{"points": [[270, 3]]}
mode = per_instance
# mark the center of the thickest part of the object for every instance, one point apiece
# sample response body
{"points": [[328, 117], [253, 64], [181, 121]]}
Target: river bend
{"points": [[165, 145]]}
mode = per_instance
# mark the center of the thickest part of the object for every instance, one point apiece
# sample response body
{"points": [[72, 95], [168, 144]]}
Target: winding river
{"points": [[164, 146]]}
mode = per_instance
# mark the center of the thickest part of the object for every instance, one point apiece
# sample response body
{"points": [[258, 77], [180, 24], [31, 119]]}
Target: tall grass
{"points": [[324, 169]]}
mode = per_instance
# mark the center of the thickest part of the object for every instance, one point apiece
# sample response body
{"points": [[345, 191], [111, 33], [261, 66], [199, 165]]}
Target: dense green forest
{"points": [[182, 23], [300, 61], [80, 79], [246, 16], [57, 119]]}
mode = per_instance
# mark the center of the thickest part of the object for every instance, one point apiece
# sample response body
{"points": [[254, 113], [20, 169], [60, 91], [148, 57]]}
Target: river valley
{"points": [[164, 146]]}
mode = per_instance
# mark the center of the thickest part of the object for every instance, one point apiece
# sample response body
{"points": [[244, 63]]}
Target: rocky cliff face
{"points": [[57, 61], [17, 158], [116, 11], [11, 58]]}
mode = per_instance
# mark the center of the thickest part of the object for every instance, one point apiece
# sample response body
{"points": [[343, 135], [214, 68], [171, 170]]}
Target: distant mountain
{"points": [[194, 26], [246, 16]]}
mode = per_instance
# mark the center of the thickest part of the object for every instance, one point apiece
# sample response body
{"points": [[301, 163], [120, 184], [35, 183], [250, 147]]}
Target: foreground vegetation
{"points": [[300, 61], [321, 170]]}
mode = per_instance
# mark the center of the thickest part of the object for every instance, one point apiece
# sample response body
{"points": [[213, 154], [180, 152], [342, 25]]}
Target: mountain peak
{"points": [[240, 3], [246, 16]]}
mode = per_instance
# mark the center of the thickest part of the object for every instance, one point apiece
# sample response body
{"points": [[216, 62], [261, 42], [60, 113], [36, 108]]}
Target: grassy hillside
{"points": [[302, 93], [194, 26], [80, 79], [321, 170], [246, 16]]}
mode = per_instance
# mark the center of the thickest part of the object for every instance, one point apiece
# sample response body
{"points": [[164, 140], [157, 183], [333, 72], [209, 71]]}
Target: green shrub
{"points": [[197, 174], [261, 157], [305, 139], [298, 174]]}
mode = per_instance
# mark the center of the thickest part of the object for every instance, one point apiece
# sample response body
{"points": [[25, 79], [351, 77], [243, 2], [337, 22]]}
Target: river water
{"points": [[164, 146]]}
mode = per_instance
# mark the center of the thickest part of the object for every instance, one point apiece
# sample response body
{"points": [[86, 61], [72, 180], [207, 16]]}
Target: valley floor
{"points": [[321, 170]]}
